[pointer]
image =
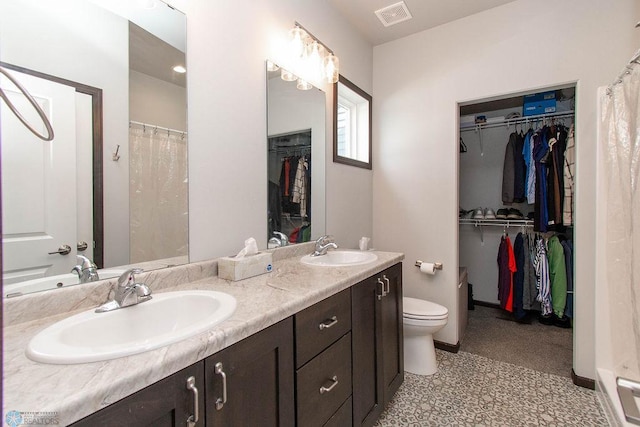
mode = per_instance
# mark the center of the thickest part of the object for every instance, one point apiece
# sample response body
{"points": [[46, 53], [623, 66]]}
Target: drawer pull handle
{"points": [[334, 383], [191, 385], [387, 289], [382, 292], [328, 323], [221, 400]]}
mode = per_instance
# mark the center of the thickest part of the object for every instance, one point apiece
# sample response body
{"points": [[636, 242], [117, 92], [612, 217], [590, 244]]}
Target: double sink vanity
{"points": [[314, 342]]}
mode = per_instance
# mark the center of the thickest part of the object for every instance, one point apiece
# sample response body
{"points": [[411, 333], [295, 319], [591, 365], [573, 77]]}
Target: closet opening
{"points": [[515, 190]]}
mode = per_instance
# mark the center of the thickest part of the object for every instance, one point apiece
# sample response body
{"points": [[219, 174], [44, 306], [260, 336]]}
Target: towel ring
{"points": [[33, 102]]}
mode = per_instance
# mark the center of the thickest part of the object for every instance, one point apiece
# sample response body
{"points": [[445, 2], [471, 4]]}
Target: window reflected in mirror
{"points": [[352, 125]]}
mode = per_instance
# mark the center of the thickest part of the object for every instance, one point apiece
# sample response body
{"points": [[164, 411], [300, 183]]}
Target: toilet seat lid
{"points": [[415, 308]]}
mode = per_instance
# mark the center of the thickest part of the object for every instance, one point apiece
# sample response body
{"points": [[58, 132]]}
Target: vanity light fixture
{"points": [[287, 75], [303, 85], [179, 69], [272, 66], [314, 59]]}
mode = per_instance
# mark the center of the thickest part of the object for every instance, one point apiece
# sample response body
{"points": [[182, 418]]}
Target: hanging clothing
{"points": [[567, 245], [518, 277], [519, 169], [569, 173], [299, 194], [527, 152], [540, 152], [508, 172], [557, 275], [274, 213], [541, 265], [506, 267]]}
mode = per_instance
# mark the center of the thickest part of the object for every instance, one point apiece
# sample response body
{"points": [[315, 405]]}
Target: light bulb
{"points": [[303, 85], [332, 68], [297, 41], [287, 76], [271, 66], [179, 69], [315, 63]]}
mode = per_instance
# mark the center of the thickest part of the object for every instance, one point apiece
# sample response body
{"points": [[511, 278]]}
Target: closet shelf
{"points": [[518, 120]]}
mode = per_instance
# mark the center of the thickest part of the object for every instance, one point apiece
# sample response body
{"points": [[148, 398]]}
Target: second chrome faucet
{"points": [[323, 244], [127, 292]]}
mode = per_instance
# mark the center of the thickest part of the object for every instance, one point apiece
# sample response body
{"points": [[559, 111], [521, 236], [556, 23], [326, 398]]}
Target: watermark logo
{"points": [[13, 418], [22, 418]]}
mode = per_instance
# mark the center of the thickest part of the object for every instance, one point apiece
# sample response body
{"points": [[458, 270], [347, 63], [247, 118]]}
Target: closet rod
{"points": [[156, 127], [519, 120], [497, 222]]}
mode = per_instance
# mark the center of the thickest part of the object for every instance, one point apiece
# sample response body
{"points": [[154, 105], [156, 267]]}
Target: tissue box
{"points": [[232, 268]]}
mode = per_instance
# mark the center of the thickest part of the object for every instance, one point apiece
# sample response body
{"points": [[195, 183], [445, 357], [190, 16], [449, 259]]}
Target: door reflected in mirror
{"points": [[112, 185], [296, 130]]}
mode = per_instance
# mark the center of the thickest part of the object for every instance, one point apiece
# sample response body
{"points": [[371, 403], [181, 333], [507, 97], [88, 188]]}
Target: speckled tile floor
{"points": [[472, 390]]}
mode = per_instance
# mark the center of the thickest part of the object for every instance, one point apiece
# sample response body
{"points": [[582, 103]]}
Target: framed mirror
{"points": [[351, 125], [296, 145], [112, 185]]}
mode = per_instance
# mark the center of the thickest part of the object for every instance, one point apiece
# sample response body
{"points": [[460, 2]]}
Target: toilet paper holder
{"points": [[437, 265]]}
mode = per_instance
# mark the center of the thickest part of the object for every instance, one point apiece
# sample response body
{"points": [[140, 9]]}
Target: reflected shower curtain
{"points": [[620, 138], [158, 190]]}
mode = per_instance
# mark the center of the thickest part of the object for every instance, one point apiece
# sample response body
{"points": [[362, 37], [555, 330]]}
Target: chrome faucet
{"points": [[86, 270], [127, 292], [279, 241], [323, 244]]}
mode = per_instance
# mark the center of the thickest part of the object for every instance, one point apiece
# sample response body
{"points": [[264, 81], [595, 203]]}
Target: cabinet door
{"points": [[257, 374], [366, 324], [166, 403], [392, 337]]}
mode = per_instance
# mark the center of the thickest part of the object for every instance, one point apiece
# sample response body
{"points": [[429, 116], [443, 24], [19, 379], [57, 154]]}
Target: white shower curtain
{"points": [[620, 138], [158, 210]]}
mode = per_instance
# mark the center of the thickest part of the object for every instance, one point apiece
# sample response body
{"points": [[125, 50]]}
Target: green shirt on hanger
{"points": [[558, 275]]}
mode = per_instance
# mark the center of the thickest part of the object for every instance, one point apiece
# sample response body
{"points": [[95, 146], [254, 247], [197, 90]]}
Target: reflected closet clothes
{"points": [[299, 193], [514, 170], [274, 208]]}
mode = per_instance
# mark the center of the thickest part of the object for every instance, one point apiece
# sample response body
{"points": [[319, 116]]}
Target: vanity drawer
{"points": [[343, 416], [322, 324], [324, 384]]}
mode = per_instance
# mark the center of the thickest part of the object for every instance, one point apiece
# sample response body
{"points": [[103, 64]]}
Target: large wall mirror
{"points": [[112, 185], [296, 136]]}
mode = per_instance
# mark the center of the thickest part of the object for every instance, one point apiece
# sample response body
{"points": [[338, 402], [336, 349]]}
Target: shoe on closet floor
{"points": [[489, 214], [502, 213], [514, 214], [546, 319], [477, 214], [561, 322]]}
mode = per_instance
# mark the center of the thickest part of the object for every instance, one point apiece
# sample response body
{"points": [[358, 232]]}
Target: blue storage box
{"points": [[539, 103]]}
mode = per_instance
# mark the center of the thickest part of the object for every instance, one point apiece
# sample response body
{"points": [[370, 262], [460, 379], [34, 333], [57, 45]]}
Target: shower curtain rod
{"points": [[156, 127], [635, 60]]}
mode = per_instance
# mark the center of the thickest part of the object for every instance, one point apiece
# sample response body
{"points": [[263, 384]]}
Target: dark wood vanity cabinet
{"points": [[323, 361], [257, 374], [376, 325], [336, 363], [169, 402]]}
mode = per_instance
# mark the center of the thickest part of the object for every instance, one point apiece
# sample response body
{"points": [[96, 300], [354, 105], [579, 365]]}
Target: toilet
{"points": [[421, 319]]}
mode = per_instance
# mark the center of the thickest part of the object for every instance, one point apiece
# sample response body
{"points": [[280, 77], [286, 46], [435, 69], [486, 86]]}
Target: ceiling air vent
{"points": [[393, 14]]}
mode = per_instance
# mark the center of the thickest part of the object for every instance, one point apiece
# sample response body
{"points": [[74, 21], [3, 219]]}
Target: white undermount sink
{"points": [[165, 319], [340, 258]]}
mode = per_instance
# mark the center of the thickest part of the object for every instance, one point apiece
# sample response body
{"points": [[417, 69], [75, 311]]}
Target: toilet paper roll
{"points": [[428, 268]]}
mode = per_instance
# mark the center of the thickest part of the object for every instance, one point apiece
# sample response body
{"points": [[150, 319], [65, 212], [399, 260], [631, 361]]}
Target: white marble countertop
{"points": [[75, 391]]}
